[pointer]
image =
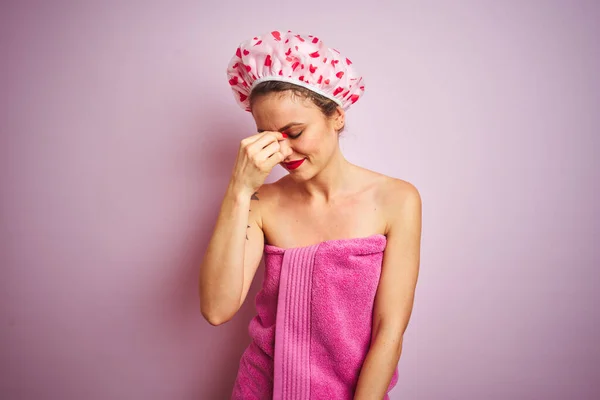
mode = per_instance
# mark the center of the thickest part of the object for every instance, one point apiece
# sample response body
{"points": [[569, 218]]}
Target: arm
{"points": [[232, 256], [395, 295], [235, 248]]}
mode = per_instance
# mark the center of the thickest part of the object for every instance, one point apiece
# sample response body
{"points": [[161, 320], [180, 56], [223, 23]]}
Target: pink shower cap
{"points": [[303, 60]]}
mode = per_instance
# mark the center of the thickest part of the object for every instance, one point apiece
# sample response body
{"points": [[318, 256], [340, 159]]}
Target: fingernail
{"points": [[284, 134]]}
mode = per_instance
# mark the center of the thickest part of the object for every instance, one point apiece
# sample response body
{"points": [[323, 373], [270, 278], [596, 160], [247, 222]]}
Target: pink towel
{"points": [[313, 325]]}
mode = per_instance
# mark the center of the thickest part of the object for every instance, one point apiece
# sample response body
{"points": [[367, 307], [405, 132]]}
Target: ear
{"points": [[339, 118]]}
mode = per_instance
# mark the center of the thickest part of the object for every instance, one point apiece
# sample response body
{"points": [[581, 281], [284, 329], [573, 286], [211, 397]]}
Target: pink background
{"points": [[118, 136]]}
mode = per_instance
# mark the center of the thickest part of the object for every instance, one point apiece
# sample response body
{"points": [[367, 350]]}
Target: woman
{"points": [[341, 242]]}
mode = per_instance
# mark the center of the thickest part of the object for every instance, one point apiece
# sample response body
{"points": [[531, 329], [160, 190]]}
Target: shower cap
{"points": [[303, 60]]}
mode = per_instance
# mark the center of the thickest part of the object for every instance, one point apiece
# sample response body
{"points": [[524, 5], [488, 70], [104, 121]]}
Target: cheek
{"points": [[314, 144], [309, 146]]}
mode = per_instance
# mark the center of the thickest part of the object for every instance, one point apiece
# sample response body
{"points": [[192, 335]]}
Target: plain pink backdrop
{"points": [[118, 136]]}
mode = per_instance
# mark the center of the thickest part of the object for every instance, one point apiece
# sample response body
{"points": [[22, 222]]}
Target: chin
{"points": [[300, 176]]}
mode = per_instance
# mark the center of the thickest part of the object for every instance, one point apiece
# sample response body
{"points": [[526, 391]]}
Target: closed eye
{"points": [[295, 136]]}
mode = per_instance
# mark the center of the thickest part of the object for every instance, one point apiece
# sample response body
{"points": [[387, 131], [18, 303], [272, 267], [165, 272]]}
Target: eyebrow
{"points": [[288, 126]]}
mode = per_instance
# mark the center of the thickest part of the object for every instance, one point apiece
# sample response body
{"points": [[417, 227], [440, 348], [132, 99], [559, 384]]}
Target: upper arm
{"points": [[400, 267], [254, 247]]}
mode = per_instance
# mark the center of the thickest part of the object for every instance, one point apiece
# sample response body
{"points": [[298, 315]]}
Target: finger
{"points": [[274, 159], [251, 139], [268, 151], [266, 139]]}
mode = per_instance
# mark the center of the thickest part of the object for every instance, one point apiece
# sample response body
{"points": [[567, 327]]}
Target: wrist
{"points": [[239, 191]]}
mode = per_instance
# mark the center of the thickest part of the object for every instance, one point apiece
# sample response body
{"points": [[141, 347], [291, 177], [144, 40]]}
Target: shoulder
{"points": [[397, 192], [391, 191], [271, 191], [265, 198], [400, 201]]}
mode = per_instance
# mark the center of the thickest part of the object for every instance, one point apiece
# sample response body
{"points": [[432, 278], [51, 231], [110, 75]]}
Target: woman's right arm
{"points": [[232, 257], [236, 246]]}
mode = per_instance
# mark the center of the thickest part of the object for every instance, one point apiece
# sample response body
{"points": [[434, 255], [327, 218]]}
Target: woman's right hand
{"points": [[257, 156]]}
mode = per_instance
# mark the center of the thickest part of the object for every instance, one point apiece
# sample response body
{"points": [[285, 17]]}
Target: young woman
{"points": [[341, 242]]}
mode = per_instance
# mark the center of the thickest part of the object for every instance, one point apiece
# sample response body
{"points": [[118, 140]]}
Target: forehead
{"points": [[275, 110]]}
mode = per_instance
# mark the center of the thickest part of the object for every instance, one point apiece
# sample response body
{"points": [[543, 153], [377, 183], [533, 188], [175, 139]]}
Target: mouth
{"points": [[293, 164]]}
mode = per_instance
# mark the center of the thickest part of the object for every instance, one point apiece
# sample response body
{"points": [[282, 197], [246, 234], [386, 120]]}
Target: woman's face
{"points": [[312, 136]]}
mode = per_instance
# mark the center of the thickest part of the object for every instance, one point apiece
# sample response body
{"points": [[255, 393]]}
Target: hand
{"points": [[257, 156]]}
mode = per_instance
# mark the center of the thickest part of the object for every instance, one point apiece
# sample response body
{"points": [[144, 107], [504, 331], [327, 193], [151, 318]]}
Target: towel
{"points": [[313, 325]]}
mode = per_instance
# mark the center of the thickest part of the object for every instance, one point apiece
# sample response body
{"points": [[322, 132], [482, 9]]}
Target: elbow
{"points": [[216, 318], [217, 310]]}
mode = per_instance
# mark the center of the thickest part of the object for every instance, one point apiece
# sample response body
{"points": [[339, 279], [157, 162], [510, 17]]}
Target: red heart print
{"points": [[354, 98], [257, 43], [243, 97], [337, 90], [287, 53], [320, 79], [315, 40], [327, 81], [268, 61], [314, 54], [276, 35], [340, 74], [246, 52], [233, 81], [348, 61], [312, 68], [238, 52]]}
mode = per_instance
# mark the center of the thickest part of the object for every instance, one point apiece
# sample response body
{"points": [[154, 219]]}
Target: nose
{"points": [[285, 148]]}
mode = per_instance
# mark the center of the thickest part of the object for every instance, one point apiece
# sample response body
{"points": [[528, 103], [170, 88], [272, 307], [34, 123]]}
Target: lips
{"points": [[293, 164]]}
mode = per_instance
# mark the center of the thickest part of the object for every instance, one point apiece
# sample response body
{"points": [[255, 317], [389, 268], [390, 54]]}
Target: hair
{"points": [[327, 106]]}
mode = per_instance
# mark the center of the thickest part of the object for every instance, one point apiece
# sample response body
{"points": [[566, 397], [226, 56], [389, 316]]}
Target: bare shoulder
{"points": [[395, 192], [270, 191], [390, 190], [265, 197], [399, 199]]}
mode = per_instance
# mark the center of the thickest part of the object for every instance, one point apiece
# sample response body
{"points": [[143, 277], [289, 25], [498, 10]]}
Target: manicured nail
{"points": [[284, 134]]}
